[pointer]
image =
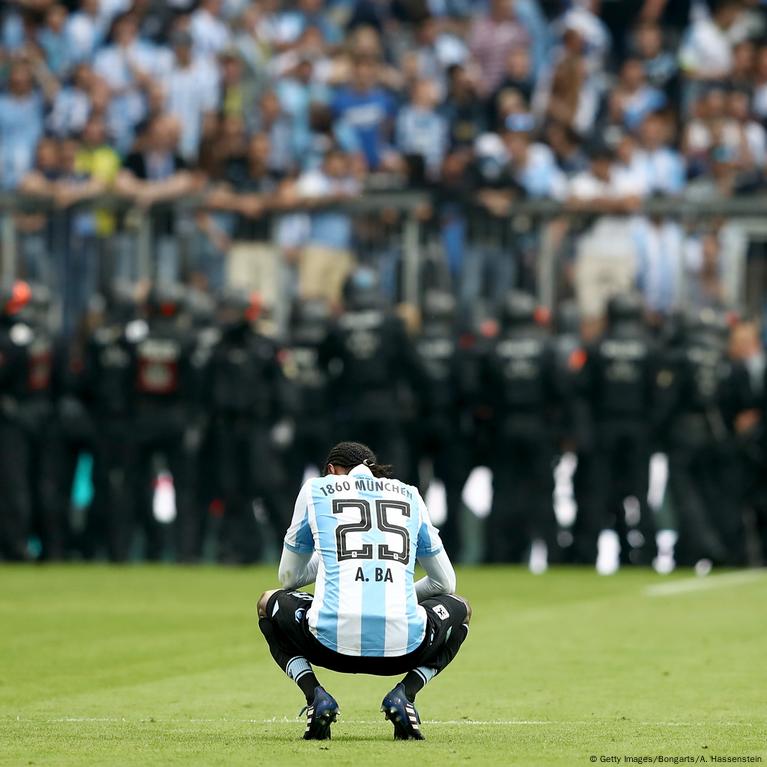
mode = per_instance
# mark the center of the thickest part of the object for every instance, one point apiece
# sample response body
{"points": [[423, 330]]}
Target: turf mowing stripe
{"points": [[451, 722], [705, 583]]}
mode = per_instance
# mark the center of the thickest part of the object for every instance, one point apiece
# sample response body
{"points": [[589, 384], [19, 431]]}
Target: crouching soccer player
{"points": [[358, 533]]}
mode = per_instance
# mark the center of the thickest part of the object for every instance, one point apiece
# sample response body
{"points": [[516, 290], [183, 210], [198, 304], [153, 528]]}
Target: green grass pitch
{"points": [[166, 666]]}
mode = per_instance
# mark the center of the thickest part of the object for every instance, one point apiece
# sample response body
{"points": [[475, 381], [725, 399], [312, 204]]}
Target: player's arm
{"points": [[439, 579], [431, 554], [299, 563], [297, 570]]}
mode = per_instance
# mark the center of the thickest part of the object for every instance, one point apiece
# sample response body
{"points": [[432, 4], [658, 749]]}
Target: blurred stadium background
{"points": [[174, 172]]}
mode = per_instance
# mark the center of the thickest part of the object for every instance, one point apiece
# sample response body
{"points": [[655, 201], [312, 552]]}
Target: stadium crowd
{"points": [[267, 112], [248, 131]]}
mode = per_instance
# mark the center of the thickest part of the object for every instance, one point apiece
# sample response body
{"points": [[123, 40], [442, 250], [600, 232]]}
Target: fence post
{"points": [[547, 262], [144, 246], [8, 246], [412, 259]]}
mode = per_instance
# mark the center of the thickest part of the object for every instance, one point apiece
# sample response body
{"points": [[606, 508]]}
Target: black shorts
{"points": [[444, 614]]}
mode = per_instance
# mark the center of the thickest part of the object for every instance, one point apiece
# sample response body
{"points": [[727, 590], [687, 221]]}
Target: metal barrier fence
{"points": [[412, 240]]}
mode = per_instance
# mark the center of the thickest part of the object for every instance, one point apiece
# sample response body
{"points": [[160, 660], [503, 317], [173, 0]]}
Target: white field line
{"points": [[451, 722], [704, 583]]}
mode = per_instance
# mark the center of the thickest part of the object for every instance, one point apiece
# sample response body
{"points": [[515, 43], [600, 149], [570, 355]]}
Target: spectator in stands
{"points": [[297, 93], [239, 228], [567, 148], [605, 252], [72, 103], [210, 33], [743, 65], [632, 98], [364, 115], [225, 138], [492, 38], [34, 228], [435, 51], [78, 262], [706, 52], [660, 249], [463, 108], [127, 65], [327, 258], [661, 166], [532, 164], [421, 132], [191, 93], [760, 83], [53, 40], [278, 125], [156, 173], [583, 19], [85, 31], [238, 90], [724, 176], [743, 133], [99, 161], [704, 285], [21, 124], [704, 129], [309, 14], [660, 65], [518, 77], [568, 92], [628, 160]]}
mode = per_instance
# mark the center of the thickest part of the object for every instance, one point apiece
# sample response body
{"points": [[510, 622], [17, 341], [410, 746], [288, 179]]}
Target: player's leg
{"points": [[448, 618], [281, 615]]}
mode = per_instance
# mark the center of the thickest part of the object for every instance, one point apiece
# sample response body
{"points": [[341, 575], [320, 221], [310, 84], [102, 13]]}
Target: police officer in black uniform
{"points": [[245, 393], [575, 441], [757, 463], [164, 408], [307, 384], [107, 388], [619, 378], [25, 412], [369, 358], [50, 462], [443, 428], [701, 386], [523, 392], [200, 312]]}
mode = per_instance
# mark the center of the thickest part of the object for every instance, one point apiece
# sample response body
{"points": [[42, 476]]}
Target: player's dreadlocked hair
{"points": [[347, 455]]}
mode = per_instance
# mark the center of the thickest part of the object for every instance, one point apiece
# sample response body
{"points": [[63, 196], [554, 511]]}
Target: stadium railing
{"points": [[406, 231]]}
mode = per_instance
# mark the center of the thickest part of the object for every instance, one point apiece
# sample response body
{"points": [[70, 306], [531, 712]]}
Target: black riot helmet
{"points": [[120, 300], [707, 327], [36, 311], [14, 297], [568, 318], [165, 299], [40, 299], [673, 330], [625, 313], [362, 290], [438, 307], [518, 311], [310, 321], [201, 307], [238, 307]]}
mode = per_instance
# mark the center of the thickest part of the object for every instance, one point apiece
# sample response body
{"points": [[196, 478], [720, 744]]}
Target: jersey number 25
{"points": [[344, 551]]}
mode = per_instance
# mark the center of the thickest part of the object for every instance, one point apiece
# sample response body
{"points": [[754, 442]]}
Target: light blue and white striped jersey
{"points": [[368, 533]]}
